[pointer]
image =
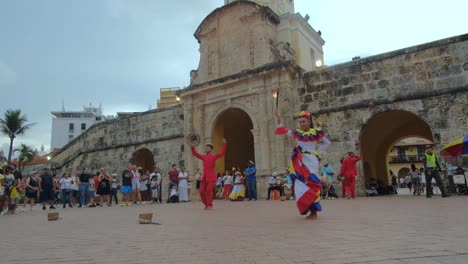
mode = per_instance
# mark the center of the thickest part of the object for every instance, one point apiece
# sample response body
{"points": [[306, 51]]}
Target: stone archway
{"points": [[235, 125], [380, 132], [143, 158], [403, 172]]}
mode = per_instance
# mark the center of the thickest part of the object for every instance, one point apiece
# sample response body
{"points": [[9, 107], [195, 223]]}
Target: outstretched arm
{"points": [[196, 154], [325, 144], [280, 129], [223, 149]]}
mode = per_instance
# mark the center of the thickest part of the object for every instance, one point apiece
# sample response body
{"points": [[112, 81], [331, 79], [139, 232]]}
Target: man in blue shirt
{"points": [[251, 180]]}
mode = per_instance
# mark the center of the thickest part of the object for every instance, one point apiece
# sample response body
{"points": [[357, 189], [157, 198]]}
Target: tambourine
{"points": [[193, 139]]}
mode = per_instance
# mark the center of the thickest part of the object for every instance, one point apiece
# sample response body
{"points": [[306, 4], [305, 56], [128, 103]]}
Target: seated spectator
{"points": [[371, 188], [275, 183]]}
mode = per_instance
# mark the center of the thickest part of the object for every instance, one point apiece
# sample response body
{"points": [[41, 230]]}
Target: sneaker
{"points": [[129, 204], [52, 207], [2, 213], [121, 204], [43, 207]]}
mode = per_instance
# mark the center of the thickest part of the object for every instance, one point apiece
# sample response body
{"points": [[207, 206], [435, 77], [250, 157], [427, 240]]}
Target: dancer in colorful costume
{"points": [[304, 166]]}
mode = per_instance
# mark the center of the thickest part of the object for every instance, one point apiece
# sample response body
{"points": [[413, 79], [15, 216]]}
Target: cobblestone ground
{"points": [[384, 230]]}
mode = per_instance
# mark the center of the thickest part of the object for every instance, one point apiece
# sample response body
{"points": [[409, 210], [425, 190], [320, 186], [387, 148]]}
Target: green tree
{"points": [[26, 154], [13, 124]]}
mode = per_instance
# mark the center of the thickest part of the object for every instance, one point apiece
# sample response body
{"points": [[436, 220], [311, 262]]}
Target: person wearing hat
{"points": [[209, 173], [32, 186], [272, 185], [432, 168], [251, 180], [46, 189], [304, 165]]}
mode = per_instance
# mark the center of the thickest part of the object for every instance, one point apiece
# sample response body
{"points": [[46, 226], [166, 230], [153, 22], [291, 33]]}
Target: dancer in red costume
{"points": [[348, 171], [209, 174]]}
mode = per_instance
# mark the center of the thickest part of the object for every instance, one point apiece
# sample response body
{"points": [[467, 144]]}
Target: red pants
{"points": [[350, 186], [227, 190], [206, 192]]}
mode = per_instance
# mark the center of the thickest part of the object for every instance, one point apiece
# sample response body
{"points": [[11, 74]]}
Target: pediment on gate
{"points": [[234, 38]]}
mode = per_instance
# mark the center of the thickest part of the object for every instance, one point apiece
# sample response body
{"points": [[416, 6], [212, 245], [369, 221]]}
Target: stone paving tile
{"points": [[383, 230]]}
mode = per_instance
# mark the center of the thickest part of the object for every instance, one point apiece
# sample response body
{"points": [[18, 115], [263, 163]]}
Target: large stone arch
{"points": [[236, 125], [143, 158], [380, 132]]}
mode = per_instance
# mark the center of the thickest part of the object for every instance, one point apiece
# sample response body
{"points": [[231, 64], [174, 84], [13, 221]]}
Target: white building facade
{"points": [[66, 125]]}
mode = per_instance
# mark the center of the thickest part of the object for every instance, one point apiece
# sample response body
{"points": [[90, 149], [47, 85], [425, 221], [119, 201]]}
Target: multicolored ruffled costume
{"points": [[304, 165]]}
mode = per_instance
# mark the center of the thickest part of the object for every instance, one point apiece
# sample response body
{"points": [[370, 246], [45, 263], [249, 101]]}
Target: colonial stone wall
{"points": [[111, 144], [430, 81]]}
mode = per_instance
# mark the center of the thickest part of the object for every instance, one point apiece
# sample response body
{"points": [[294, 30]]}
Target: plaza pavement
{"points": [[380, 230]]}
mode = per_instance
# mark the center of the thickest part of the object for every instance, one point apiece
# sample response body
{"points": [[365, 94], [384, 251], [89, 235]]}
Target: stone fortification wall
{"points": [[111, 144]]}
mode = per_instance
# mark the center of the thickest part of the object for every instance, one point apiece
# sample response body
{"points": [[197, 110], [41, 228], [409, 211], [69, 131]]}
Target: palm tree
{"points": [[26, 155], [13, 124]]}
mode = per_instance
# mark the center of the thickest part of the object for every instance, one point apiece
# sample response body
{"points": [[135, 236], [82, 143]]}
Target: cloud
{"points": [[7, 76]]}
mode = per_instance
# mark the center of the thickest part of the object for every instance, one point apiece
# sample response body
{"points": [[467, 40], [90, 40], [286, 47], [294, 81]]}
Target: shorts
{"points": [[127, 189], [189, 185], [14, 201], [47, 196], [92, 194], [136, 183], [76, 194]]}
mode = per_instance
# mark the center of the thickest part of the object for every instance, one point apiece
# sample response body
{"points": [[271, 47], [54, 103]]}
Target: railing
{"points": [[405, 159]]}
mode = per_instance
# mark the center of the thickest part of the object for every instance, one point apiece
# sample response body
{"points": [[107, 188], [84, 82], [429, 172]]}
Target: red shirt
{"points": [[173, 176], [348, 167], [209, 162]]}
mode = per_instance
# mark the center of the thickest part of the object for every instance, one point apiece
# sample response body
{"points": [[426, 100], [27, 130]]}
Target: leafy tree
{"points": [[13, 124], [26, 154]]}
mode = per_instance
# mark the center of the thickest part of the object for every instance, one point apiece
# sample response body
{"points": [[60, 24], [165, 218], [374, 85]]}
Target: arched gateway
{"points": [[380, 132], [235, 125]]}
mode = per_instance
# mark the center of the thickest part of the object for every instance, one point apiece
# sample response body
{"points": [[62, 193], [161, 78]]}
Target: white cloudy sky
{"points": [[121, 52]]}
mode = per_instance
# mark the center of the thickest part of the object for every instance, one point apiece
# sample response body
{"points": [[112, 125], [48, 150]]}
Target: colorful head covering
{"points": [[304, 114]]}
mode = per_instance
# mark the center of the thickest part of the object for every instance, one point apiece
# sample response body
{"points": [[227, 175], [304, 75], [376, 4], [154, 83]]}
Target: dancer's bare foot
{"points": [[312, 215]]}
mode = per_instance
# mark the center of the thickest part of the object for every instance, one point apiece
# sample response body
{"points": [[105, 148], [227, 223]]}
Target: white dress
{"points": [[183, 188]]}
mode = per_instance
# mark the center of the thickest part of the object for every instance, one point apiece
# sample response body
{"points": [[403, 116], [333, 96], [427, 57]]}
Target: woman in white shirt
{"points": [[183, 190], [65, 185]]}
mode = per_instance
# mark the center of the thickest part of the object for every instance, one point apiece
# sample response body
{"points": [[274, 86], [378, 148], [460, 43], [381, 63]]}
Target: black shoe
{"points": [[52, 207], [64, 207], [445, 195], [43, 207], [428, 196], [92, 206]]}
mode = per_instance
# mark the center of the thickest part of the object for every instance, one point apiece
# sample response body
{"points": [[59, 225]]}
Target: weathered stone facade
{"points": [[247, 53], [112, 144]]}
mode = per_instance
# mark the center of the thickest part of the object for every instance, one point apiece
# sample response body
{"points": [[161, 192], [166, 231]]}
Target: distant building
{"points": [[404, 153], [168, 97], [66, 125]]}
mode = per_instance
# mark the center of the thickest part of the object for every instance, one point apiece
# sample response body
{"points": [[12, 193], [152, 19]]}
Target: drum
{"points": [[279, 182]]}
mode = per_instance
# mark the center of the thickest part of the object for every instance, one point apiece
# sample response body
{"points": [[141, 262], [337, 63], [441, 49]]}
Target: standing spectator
{"points": [[402, 183], [104, 187], [219, 186], [408, 182], [189, 185], [272, 185], [2, 192], [154, 188], [93, 182], [75, 189], [115, 185], [14, 196], [423, 179], [238, 191], [327, 178], [227, 179], [46, 188], [251, 180], [17, 174], [173, 178], [144, 190], [127, 185], [414, 173], [348, 170], [183, 191], [65, 184], [32, 186], [394, 183], [136, 175], [432, 168], [157, 175], [84, 178], [198, 177]]}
